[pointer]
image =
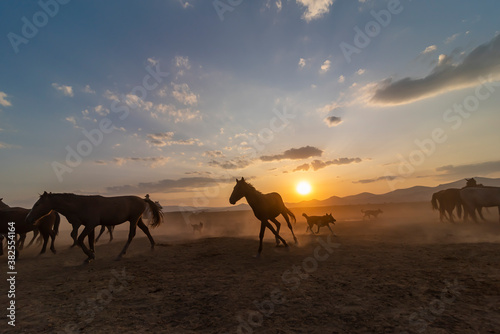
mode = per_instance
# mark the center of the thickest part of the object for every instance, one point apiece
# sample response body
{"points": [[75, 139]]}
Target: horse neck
{"points": [[61, 203], [252, 196]]}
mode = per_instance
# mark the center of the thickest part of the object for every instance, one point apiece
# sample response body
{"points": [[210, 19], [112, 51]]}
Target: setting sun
{"points": [[304, 188]]}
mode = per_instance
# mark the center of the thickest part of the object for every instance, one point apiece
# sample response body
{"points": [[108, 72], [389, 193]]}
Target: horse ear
{"points": [[242, 179], [44, 193]]}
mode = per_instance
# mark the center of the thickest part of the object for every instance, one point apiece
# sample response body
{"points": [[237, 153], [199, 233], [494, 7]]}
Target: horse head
{"points": [[41, 208], [239, 191]]}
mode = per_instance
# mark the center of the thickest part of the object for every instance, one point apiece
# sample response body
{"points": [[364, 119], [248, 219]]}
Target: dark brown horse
{"points": [[265, 207], [45, 224], [91, 211], [446, 201]]}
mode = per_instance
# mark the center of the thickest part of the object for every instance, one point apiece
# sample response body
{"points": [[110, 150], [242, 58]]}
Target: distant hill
{"points": [[413, 194]]}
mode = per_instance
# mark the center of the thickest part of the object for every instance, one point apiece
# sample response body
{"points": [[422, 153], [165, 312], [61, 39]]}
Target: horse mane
{"points": [[253, 188]]}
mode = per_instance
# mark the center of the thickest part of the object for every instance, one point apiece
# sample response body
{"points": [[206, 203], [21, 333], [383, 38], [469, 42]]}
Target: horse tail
{"points": [[156, 212], [434, 202], [290, 213], [56, 223], [305, 216]]}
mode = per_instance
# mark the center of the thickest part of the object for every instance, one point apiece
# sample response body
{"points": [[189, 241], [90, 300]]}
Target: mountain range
{"points": [[412, 194]]}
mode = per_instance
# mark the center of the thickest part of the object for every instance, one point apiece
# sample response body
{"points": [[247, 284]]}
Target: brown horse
{"points": [[45, 224], [265, 207], [91, 211], [446, 201]]}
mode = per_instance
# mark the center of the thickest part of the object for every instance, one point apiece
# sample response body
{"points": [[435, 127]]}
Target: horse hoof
{"points": [[257, 256]]}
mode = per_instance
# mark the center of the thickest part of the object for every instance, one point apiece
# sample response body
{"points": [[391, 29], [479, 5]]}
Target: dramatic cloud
{"points": [[483, 61], [318, 164], [471, 170], [66, 90], [381, 178], [333, 121], [3, 100], [169, 185], [295, 154], [315, 8]]}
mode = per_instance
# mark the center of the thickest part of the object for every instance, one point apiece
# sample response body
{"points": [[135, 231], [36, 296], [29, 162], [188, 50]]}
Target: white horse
{"points": [[477, 197]]}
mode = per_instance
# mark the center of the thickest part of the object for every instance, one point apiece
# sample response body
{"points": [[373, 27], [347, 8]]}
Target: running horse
{"points": [[91, 211], [44, 224], [474, 198], [265, 207]]}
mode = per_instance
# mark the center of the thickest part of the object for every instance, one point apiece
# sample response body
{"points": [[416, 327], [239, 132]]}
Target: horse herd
{"points": [[470, 199], [91, 211]]}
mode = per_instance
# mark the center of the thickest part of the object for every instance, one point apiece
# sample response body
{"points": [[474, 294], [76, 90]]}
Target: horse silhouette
{"points": [[47, 224], [91, 211], [265, 207]]}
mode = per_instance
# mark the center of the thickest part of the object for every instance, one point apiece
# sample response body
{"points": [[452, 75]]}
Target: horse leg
{"points": [[45, 241], [92, 240], [261, 236], [110, 230], [131, 234], [480, 211], [86, 231], [145, 229], [52, 235], [499, 213], [269, 226], [74, 234], [21, 241], [278, 226], [35, 234], [103, 228], [290, 227]]}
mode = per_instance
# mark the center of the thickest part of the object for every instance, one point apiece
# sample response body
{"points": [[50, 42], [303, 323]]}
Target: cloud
{"points": [[4, 145], [295, 154], [72, 120], [484, 60], [341, 79], [385, 178], [302, 62], [3, 100], [66, 90], [153, 162], [325, 67], [169, 185], [470, 170], [361, 71], [318, 164], [315, 9], [236, 163], [304, 167], [429, 49], [166, 139], [88, 90], [333, 121], [213, 154], [451, 38], [184, 95]]}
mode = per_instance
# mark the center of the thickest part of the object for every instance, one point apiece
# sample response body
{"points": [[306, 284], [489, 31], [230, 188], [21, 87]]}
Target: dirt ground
{"points": [[404, 272]]}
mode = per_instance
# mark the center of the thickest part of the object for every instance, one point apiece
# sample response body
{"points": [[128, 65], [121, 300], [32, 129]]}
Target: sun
{"points": [[303, 188]]}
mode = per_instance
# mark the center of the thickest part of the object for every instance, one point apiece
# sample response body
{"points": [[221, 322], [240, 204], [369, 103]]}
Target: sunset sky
{"points": [[177, 98]]}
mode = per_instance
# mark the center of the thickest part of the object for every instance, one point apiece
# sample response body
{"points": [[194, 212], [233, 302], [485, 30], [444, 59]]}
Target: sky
{"points": [[178, 98]]}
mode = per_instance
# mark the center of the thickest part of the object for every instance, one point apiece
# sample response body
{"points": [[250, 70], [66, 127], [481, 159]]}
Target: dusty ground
{"points": [[404, 272]]}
